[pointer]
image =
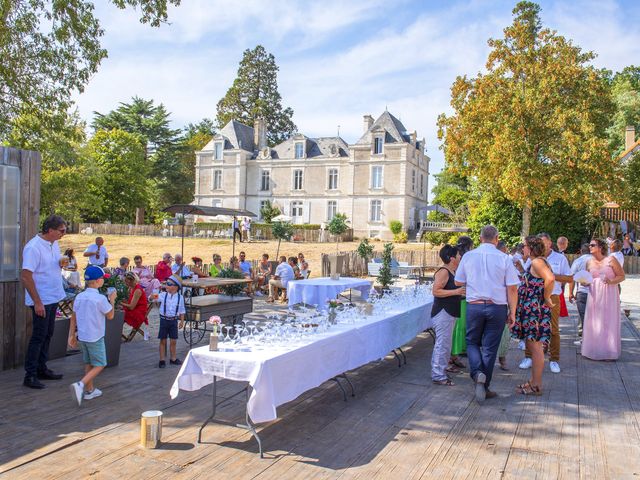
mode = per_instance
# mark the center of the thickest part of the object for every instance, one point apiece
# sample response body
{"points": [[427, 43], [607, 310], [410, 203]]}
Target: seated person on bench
{"points": [[284, 274]]}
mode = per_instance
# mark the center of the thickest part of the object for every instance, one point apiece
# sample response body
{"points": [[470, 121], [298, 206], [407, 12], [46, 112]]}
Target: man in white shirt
{"points": [[578, 265], [97, 253], [284, 274], [41, 276], [179, 268], [492, 283], [560, 268], [615, 247]]}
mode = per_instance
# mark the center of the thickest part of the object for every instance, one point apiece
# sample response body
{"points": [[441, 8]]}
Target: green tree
{"points": [[65, 171], [269, 211], [254, 94], [50, 50], [365, 250], [626, 97], [121, 184], [171, 166], [337, 226], [534, 126], [385, 279], [281, 231], [451, 191]]}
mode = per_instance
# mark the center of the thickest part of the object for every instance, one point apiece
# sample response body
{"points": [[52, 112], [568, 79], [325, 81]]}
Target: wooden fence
{"points": [[215, 231], [353, 265], [15, 318]]}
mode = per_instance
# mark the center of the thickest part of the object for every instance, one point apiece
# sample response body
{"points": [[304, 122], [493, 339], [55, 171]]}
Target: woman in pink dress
{"points": [[147, 280], [601, 334]]}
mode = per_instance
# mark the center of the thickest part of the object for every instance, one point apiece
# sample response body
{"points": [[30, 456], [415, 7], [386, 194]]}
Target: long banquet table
{"points": [[278, 375]]}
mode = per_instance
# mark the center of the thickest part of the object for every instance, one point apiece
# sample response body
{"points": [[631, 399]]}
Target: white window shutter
{"points": [[307, 210]]}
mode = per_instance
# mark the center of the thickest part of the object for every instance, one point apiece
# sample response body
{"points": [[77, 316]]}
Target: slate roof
{"points": [[314, 147], [238, 135], [395, 130]]}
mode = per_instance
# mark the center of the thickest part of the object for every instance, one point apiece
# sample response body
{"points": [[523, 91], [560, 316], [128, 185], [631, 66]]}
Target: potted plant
{"points": [[384, 277], [233, 289], [337, 226], [113, 328], [365, 251]]}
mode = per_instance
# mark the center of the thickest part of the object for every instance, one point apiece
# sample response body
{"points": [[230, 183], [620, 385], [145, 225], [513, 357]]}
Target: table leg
{"points": [[248, 425], [344, 392], [397, 357], [353, 391], [404, 357]]}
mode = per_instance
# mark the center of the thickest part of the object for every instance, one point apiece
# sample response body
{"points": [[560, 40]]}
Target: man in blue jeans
{"points": [[492, 283], [41, 277]]}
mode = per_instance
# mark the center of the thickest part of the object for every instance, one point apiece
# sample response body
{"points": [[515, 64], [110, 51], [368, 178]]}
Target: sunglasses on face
{"points": [[172, 284], [593, 245]]}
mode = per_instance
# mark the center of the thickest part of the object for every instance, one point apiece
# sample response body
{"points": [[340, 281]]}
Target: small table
{"points": [[317, 291]]}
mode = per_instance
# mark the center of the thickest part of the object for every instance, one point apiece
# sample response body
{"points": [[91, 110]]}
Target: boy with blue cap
{"points": [[90, 309], [172, 311]]}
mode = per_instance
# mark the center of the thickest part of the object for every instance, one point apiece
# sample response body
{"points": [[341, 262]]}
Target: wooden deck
{"points": [[398, 426]]}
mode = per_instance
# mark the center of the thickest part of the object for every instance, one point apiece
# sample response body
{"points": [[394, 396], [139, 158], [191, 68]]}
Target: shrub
{"points": [[384, 276], [395, 226], [402, 237], [365, 250], [234, 289]]}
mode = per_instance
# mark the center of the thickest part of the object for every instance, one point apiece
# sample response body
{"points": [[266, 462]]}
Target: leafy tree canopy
{"points": [[254, 94], [50, 50], [534, 126]]}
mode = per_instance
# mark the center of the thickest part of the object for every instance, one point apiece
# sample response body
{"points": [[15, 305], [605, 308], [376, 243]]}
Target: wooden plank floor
{"points": [[586, 425]]}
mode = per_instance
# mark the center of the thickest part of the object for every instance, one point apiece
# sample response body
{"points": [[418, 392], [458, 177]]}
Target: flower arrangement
{"points": [[215, 322]]}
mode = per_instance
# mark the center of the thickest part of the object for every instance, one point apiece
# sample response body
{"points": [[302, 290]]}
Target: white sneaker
{"points": [[554, 367], [522, 345], [146, 336], [77, 389], [525, 364], [259, 293], [94, 394], [578, 342]]}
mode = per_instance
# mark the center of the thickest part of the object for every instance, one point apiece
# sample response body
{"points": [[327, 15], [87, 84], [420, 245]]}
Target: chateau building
{"points": [[380, 178]]}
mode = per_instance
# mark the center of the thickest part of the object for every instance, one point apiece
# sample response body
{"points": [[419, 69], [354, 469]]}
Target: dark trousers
{"points": [[581, 303], [236, 231], [38, 349], [485, 324]]}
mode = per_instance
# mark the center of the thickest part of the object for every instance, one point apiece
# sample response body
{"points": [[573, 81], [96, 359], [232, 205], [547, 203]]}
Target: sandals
{"points": [[452, 369], [447, 383], [528, 389], [457, 362], [503, 364]]}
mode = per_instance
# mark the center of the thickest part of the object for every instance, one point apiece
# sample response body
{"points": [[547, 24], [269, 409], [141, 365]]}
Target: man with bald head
{"points": [[97, 253]]}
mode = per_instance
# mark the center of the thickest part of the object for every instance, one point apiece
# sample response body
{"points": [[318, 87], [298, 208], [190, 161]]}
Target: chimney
{"points": [[368, 121], [413, 136], [629, 137], [259, 134]]}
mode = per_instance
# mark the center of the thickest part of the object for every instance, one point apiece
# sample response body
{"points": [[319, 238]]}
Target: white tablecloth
{"points": [[280, 375], [317, 291]]}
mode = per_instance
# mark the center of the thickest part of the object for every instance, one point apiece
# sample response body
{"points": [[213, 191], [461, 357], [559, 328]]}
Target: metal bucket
{"points": [[150, 428]]}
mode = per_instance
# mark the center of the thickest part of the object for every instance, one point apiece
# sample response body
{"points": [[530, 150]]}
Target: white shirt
{"points": [[185, 272], [559, 266], [578, 265], [618, 256], [168, 304], [486, 272], [42, 258], [103, 255], [90, 308], [285, 272]]}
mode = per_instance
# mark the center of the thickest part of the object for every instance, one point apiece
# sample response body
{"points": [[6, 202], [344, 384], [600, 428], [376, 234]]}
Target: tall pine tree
{"points": [[254, 94]]}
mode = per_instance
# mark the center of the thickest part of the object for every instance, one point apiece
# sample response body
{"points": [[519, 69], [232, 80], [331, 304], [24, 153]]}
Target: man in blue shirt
{"points": [[247, 270]]}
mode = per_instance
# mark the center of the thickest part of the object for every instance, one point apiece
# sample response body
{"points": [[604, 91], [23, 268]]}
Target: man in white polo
{"points": [[97, 253], [492, 283], [41, 277]]}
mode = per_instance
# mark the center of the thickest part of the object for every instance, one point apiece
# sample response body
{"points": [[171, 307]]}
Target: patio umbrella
{"points": [[438, 208], [183, 209], [282, 218]]}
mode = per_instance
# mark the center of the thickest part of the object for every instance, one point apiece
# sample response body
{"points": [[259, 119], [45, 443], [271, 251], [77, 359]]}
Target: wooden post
{"points": [[140, 216]]}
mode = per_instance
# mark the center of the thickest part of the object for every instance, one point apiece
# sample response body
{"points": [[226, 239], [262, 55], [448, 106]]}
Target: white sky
{"points": [[338, 60]]}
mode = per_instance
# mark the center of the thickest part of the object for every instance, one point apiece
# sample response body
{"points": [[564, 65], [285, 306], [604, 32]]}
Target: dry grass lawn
{"points": [[152, 248]]}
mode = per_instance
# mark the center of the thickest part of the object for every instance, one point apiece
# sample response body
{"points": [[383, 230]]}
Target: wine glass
{"points": [[228, 329]]}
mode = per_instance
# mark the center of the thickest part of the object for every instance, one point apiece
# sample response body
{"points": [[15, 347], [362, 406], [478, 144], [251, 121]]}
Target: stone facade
{"points": [[382, 177]]}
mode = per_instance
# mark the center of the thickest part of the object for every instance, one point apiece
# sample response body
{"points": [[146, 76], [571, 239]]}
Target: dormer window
{"points": [[217, 151], [377, 145], [299, 150]]}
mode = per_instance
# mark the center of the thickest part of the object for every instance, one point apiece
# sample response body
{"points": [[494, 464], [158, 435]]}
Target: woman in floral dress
{"points": [[533, 315]]}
